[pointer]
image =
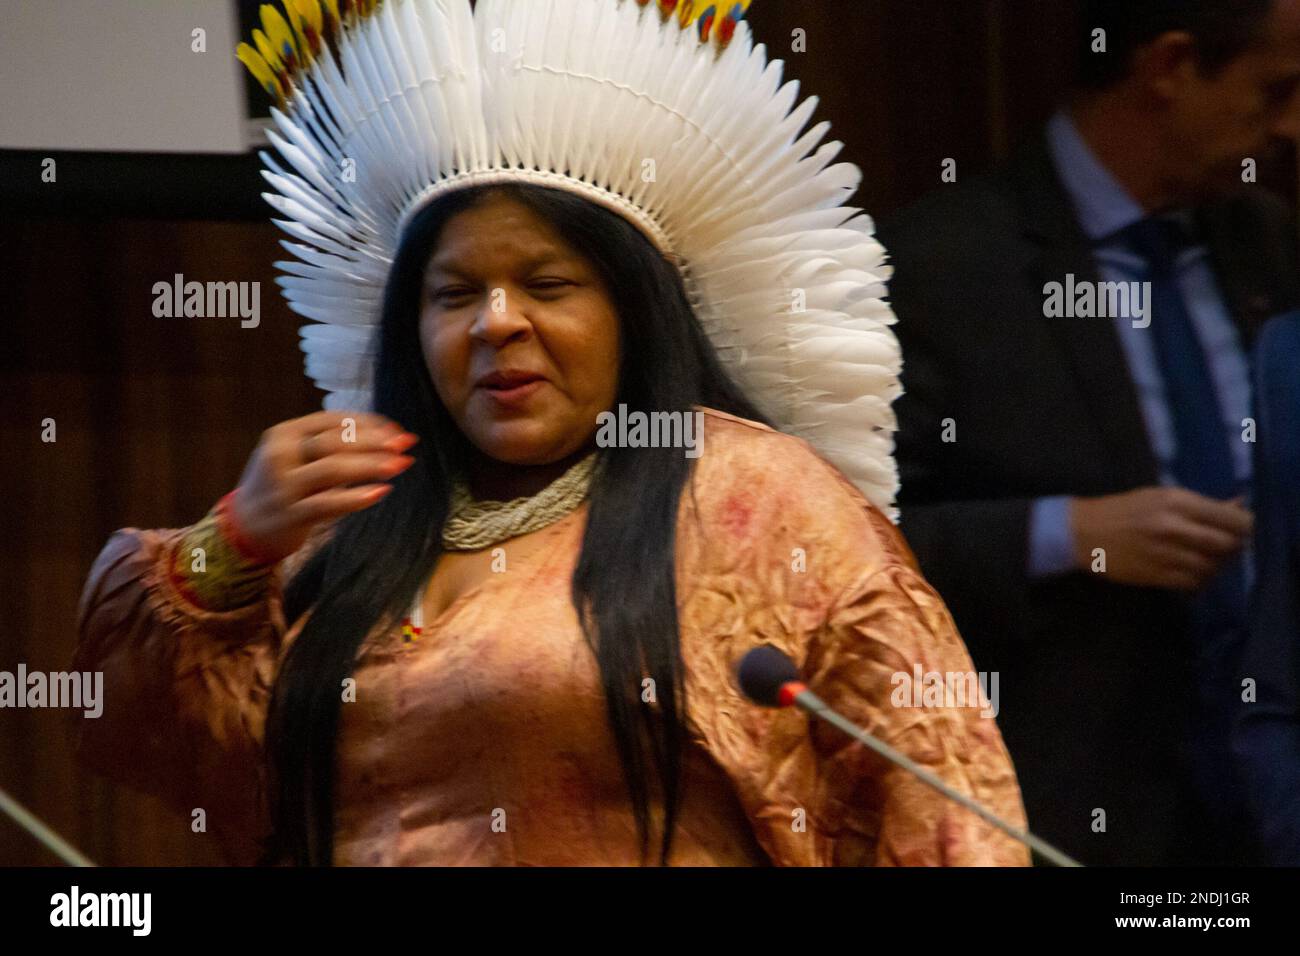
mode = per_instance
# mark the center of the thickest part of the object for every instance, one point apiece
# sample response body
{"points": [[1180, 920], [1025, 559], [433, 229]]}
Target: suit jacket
{"points": [[1095, 675], [1267, 741]]}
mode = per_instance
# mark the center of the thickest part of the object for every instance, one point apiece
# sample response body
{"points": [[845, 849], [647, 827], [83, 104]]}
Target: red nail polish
{"points": [[401, 442]]}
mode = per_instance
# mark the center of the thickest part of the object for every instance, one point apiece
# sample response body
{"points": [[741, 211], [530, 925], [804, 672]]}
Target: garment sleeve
{"points": [[859, 625], [185, 689], [891, 661]]}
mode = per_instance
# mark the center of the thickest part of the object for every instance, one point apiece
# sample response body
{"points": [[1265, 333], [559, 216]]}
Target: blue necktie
{"points": [[1203, 458]]}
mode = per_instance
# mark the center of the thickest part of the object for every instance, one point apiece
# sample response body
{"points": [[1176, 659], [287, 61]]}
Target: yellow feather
{"points": [[258, 67], [268, 52], [690, 10], [295, 18], [310, 11], [330, 13], [278, 31]]}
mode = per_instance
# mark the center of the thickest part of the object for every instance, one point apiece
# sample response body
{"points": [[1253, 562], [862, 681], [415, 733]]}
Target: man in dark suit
{"points": [[1076, 466]]}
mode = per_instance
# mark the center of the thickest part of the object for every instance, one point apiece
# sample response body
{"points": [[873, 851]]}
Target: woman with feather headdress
{"points": [[444, 621]]}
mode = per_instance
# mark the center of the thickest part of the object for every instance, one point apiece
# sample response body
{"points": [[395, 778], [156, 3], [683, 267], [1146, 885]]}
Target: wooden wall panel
{"points": [[155, 418]]}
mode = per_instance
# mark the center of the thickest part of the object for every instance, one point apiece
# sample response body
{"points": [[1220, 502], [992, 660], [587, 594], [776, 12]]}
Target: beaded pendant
{"points": [[413, 623]]}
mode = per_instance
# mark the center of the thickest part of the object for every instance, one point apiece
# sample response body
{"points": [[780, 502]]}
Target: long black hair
{"points": [[623, 586]]}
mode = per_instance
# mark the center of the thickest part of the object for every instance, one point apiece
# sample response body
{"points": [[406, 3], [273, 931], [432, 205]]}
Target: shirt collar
{"points": [[1103, 205]]}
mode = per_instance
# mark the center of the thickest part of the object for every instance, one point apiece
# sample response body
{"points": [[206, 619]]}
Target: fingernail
{"points": [[401, 442], [397, 465]]}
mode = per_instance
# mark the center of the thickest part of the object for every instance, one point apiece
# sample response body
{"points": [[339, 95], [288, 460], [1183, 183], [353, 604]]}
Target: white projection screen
{"points": [[121, 75]]}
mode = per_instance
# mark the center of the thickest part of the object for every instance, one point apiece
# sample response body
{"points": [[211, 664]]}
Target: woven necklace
{"points": [[472, 525]]}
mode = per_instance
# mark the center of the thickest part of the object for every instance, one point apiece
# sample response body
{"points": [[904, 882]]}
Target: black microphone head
{"points": [[763, 672]]}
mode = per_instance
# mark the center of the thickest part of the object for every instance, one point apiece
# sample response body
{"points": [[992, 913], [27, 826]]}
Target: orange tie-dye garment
{"points": [[486, 741]]}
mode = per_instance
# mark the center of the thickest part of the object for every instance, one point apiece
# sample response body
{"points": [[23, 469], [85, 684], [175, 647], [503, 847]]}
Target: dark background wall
{"points": [[155, 417]]}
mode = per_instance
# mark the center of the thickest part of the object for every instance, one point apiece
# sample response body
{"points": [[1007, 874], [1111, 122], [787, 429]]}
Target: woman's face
{"points": [[519, 334]]}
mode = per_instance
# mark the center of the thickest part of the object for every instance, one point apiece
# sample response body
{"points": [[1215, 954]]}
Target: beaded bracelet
{"points": [[215, 566], [231, 531]]}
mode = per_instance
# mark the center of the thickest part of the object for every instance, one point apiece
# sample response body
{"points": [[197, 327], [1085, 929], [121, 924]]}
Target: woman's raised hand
{"points": [[313, 469]]}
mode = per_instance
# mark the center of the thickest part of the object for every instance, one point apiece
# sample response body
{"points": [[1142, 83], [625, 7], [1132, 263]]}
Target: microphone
{"points": [[768, 677]]}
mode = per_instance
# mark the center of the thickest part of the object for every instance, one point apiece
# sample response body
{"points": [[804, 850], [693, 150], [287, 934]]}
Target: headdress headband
{"points": [[662, 111]]}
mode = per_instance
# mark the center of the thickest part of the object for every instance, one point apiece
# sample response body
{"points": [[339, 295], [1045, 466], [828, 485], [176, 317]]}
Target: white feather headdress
{"points": [[660, 110]]}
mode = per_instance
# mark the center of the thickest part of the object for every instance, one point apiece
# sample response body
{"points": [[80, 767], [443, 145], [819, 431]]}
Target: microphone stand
{"points": [[810, 702], [51, 840]]}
